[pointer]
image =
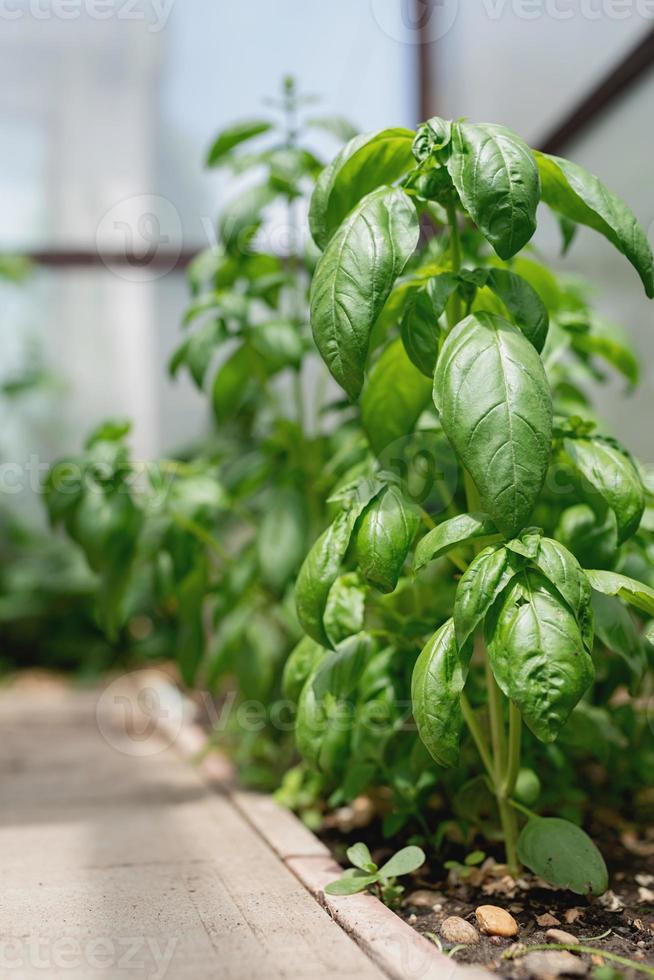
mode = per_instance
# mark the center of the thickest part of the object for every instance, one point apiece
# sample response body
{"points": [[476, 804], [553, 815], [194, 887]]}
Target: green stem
{"points": [[496, 719], [454, 304], [523, 809], [477, 736], [513, 759], [202, 535], [504, 766]]}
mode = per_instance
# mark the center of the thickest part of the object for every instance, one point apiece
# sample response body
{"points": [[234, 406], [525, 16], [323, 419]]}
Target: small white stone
{"points": [[554, 963], [561, 936]]}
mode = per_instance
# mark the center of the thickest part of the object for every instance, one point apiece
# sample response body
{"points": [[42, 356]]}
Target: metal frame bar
{"points": [[635, 64]]}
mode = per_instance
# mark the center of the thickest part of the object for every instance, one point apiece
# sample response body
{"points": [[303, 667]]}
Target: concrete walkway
{"points": [[118, 861]]}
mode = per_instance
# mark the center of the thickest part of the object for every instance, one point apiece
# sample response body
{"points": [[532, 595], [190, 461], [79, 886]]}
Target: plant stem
{"points": [[503, 769], [477, 736], [513, 759], [454, 304]]}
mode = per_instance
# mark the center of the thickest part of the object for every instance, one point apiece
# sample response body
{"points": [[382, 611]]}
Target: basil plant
{"points": [[492, 493]]}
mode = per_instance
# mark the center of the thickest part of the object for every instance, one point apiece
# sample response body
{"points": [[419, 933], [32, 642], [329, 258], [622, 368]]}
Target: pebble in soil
{"points": [[543, 915]]}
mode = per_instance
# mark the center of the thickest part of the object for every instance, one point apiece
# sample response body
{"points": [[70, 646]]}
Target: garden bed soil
{"points": [[620, 923]]}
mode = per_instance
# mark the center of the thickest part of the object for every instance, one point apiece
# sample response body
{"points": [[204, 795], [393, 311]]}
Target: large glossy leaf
{"points": [[481, 583], [569, 579], [385, 533], [438, 680], [365, 163], [537, 653], [524, 304], [499, 428], [354, 278], [301, 662], [635, 593], [322, 565], [574, 192], [561, 853], [234, 136], [421, 332], [344, 610], [614, 477], [451, 534], [496, 177], [394, 397]]}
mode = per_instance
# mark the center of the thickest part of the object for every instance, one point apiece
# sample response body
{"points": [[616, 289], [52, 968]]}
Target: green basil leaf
{"points": [[394, 397], [501, 429], [450, 534], [301, 662], [421, 332], [615, 478], [242, 217], [486, 576], [281, 540], [569, 579], [592, 541], [561, 853], [582, 197], [617, 630], [279, 342], [234, 136], [364, 164], [235, 382], [635, 593], [354, 278], [384, 536], [325, 709], [537, 653], [338, 673], [322, 565], [523, 303], [496, 178], [344, 610], [438, 680], [403, 862], [610, 343]]}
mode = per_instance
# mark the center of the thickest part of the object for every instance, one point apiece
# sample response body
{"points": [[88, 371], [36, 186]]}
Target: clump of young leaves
{"points": [[471, 343], [365, 875]]}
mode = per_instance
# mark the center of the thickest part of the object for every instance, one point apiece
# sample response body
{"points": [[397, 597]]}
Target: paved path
{"points": [[114, 865]]}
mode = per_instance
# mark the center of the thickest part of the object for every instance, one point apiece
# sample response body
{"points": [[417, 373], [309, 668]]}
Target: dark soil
{"points": [[627, 931]]}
